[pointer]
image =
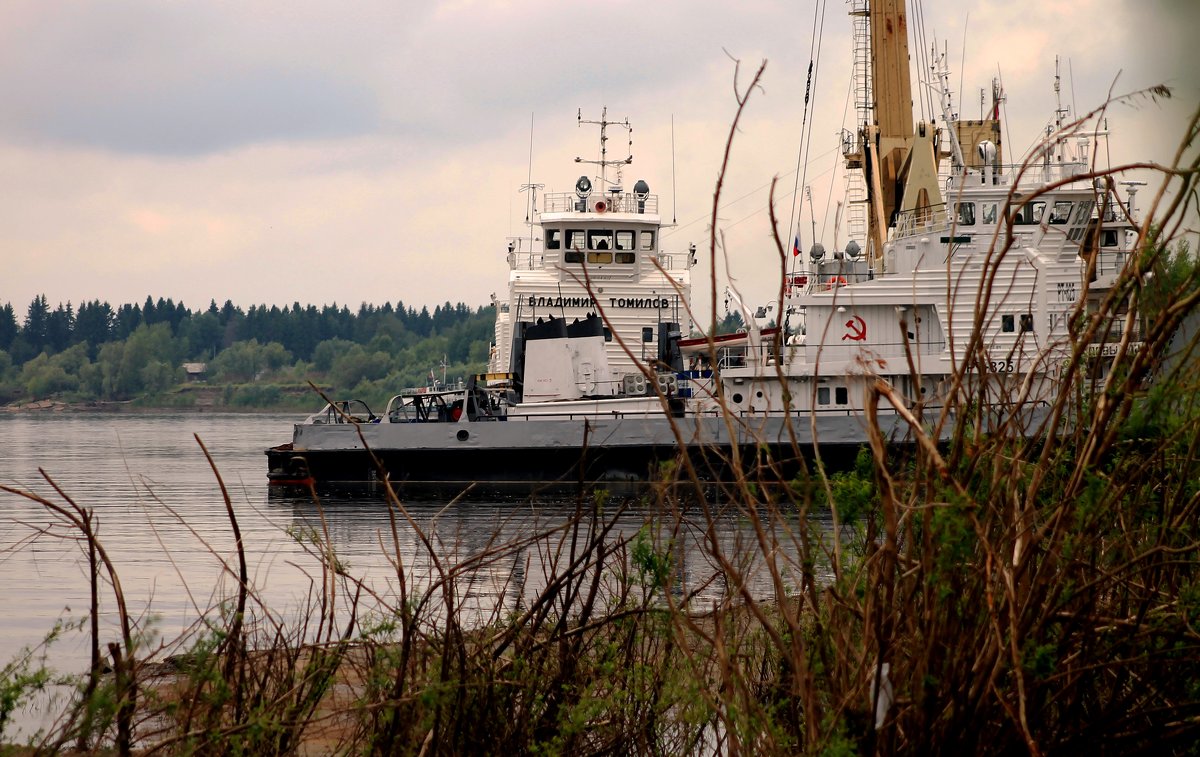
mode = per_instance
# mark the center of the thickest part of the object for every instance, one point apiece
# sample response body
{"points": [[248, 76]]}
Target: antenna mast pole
{"points": [[604, 162]]}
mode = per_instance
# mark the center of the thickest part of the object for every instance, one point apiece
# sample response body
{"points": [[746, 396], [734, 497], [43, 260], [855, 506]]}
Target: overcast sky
{"points": [[270, 152]]}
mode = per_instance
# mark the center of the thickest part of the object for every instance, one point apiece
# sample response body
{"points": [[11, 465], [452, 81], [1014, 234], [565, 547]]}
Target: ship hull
{"points": [[523, 456]]}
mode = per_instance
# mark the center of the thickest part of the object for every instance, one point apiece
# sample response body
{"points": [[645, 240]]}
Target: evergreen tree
{"points": [[128, 318], [8, 327], [59, 326], [37, 322], [93, 325]]}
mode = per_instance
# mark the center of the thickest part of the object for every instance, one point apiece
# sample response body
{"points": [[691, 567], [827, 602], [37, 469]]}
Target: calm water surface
{"points": [[164, 524]]}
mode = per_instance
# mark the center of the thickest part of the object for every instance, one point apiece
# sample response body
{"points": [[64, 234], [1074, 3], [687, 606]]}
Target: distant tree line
{"points": [[100, 352]]}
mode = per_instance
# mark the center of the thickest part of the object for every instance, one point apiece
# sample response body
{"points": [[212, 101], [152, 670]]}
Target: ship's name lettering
{"points": [[561, 302], [653, 303]]}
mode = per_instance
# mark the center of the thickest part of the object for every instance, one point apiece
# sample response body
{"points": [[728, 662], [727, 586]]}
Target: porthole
{"points": [[463, 435], [737, 399]]}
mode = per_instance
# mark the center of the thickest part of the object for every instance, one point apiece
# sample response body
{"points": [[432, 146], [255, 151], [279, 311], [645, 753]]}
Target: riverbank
{"points": [[186, 399]]}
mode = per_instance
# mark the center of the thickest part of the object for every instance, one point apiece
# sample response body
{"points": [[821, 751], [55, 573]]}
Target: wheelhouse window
{"points": [[553, 239], [573, 256], [600, 239], [966, 214], [1030, 213], [625, 240], [1083, 213], [989, 212], [576, 240], [1061, 213], [626, 258], [1109, 238], [647, 238], [599, 257]]}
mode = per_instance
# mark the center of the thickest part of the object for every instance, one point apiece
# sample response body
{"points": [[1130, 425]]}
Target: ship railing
{"points": [[920, 220], [599, 203], [586, 415], [674, 261], [820, 412], [834, 278], [1006, 174], [525, 260], [1110, 262], [1049, 172]]}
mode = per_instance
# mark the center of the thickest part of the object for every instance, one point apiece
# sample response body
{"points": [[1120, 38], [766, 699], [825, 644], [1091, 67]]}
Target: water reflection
{"points": [[507, 551], [163, 520]]}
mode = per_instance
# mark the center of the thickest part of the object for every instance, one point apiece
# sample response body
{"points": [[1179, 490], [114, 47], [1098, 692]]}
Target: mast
{"points": [[899, 161], [604, 162], [889, 70]]}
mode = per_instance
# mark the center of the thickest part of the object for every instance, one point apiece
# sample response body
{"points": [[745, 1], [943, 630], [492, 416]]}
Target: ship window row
{"points": [[599, 257], [600, 239], [841, 395], [1008, 322], [1028, 214]]}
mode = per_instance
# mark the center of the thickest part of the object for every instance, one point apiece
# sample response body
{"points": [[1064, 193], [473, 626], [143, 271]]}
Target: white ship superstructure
{"points": [[969, 279], [598, 249]]}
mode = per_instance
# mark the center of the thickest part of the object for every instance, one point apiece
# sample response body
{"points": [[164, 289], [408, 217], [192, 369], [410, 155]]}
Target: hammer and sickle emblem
{"points": [[857, 330]]}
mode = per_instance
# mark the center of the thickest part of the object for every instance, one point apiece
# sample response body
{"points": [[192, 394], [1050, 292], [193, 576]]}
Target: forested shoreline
{"points": [[262, 357]]}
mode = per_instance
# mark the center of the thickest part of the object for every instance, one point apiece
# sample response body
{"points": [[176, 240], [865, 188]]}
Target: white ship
{"points": [[970, 272]]}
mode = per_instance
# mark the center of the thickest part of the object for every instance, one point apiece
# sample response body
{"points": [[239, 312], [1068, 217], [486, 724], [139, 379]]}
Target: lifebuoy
{"points": [[836, 281]]}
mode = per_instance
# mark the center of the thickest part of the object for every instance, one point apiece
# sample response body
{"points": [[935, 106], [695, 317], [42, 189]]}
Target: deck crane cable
{"points": [[757, 212], [962, 65], [917, 13], [1004, 104], [814, 69], [730, 203], [931, 98]]}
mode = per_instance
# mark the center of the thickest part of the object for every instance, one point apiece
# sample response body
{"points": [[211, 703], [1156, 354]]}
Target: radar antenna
{"points": [[604, 162]]}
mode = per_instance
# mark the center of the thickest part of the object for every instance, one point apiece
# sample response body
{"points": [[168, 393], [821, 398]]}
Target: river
{"points": [[161, 517]]}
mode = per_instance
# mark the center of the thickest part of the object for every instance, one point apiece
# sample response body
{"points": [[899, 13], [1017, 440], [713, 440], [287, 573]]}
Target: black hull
{"points": [[508, 472]]}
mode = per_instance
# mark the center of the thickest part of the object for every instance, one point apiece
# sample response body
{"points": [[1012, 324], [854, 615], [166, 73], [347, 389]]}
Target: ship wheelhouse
{"points": [[599, 249]]}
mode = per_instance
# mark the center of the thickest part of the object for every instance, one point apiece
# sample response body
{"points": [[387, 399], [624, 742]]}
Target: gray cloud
{"points": [[166, 80], [211, 113], [141, 77]]}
